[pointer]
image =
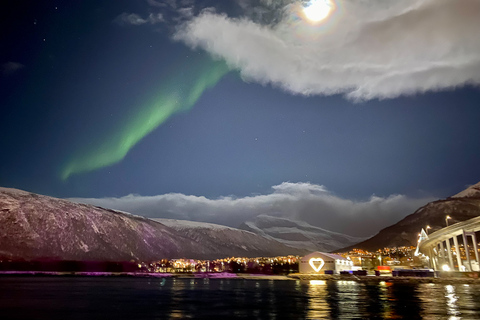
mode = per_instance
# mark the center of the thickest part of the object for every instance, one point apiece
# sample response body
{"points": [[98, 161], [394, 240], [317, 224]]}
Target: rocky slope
{"points": [[33, 226], [460, 207], [298, 234]]}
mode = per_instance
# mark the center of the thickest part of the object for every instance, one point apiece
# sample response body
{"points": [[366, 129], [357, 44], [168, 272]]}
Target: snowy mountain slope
{"points": [[33, 226], [298, 234], [460, 207], [226, 239], [471, 192]]}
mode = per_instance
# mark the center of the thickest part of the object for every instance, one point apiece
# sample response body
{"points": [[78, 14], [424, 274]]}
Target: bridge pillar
{"points": [[475, 247], [432, 259], [450, 258], [457, 250], [467, 251], [442, 250]]}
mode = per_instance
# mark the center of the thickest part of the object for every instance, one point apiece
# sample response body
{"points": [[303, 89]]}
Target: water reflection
{"points": [[176, 296], [377, 298], [139, 298], [341, 300], [384, 300], [452, 307], [453, 301], [348, 294], [318, 306]]}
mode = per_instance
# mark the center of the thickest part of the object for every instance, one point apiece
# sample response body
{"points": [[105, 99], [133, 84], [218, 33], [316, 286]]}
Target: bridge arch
{"points": [[454, 247]]}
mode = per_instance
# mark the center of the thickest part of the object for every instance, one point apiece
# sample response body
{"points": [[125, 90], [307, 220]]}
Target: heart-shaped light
{"points": [[314, 266]]}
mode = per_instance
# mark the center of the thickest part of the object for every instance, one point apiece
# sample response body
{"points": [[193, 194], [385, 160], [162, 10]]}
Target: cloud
{"points": [[162, 4], [302, 201], [137, 20], [366, 49], [186, 12], [11, 67]]}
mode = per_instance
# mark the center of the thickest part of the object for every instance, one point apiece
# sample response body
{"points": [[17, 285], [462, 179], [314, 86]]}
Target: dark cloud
{"points": [[162, 4], [137, 20], [11, 67]]}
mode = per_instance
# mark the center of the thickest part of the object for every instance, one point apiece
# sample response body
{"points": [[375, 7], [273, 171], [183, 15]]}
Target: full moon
{"points": [[317, 10]]}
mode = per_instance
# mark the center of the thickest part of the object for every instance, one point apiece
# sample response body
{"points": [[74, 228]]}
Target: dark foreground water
{"points": [[150, 298]]}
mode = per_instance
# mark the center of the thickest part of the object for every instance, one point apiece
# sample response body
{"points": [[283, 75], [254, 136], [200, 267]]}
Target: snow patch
{"points": [[84, 246], [471, 192], [176, 224]]}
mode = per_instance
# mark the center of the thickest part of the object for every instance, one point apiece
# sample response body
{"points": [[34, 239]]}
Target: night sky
{"points": [[242, 100]]}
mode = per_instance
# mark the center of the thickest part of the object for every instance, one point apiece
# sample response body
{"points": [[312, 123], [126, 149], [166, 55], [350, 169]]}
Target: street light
{"points": [[446, 220], [428, 227]]}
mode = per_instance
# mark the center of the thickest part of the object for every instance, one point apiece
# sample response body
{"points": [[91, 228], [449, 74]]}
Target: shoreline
{"points": [[385, 278], [246, 276]]}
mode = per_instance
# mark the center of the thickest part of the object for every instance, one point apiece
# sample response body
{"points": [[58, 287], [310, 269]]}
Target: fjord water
{"points": [[152, 298]]}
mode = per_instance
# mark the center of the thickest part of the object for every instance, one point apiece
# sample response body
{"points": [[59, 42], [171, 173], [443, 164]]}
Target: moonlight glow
{"points": [[318, 10]]}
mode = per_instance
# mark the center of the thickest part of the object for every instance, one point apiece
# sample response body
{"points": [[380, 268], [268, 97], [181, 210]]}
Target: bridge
{"points": [[454, 247]]}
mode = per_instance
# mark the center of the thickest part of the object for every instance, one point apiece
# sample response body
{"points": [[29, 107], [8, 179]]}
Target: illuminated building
{"points": [[324, 263]]}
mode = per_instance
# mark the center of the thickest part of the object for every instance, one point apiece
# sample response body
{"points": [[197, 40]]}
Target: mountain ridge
{"points": [[460, 207], [298, 234], [35, 226]]}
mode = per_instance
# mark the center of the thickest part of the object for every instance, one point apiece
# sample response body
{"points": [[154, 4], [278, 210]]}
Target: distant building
{"points": [[321, 263]]}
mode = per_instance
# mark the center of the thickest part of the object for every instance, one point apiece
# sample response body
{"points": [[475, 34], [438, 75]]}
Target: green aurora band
{"points": [[178, 95]]}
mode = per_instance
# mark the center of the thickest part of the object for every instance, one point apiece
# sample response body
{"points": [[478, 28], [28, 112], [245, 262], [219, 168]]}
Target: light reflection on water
{"points": [[452, 307], [143, 298], [318, 307]]}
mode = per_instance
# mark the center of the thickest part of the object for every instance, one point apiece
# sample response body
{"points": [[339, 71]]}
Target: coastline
{"points": [[244, 276], [385, 278]]}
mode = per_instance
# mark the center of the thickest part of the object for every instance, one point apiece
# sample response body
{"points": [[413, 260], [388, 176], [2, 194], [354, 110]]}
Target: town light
{"points": [[426, 228], [446, 220], [446, 267]]}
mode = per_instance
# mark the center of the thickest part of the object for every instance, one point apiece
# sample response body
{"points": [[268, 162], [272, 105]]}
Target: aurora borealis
{"points": [[177, 94], [376, 104]]}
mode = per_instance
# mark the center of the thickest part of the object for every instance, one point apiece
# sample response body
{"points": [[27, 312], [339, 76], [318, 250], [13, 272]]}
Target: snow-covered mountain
{"points": [[33, 226], [460, 207], [237, 242], [471, 192], [298, 234]]}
